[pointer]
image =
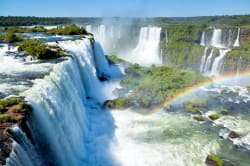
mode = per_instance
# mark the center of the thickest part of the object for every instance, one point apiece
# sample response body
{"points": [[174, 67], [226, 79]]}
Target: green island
{"points": [[141, 92]]}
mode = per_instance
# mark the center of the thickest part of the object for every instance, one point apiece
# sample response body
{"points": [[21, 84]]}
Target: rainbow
{"points": [[191, 89]]}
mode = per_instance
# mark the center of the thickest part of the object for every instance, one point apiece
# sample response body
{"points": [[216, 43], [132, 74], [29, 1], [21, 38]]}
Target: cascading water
{"points": [[166, 36], [147, 49], [237, 41], [208, 62], [225, 46], [58, 121], [216, 38], [203, 43], [89, 28], [218, 62], [203, 60]]}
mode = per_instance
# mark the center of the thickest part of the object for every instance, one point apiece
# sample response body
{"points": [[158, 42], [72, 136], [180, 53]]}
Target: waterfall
{"points": [[216, 38], [101, 34], [147, 49], [203, 43], [24, 152], [166, 36], [237, 41], [217, 64], [203, 60], [58, 121], [208, 62]]}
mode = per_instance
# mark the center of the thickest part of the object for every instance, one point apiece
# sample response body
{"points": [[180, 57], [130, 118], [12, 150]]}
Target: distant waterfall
{"points": [[237, 41], [216, 38], [107, 35], [224, 43], [203, 43], [147, 49], [166, 36], [89, 28], [58, 121], [203, 60], [218, 62]]}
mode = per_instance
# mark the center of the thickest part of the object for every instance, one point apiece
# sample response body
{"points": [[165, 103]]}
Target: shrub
{"points": [[5, 118], [40, 50], [214, 160], [13, 101], [11, 37], [224, 111], [112, 59], [17, 108], [199, 118], [68, 30], [214, 116], [3, 102]]}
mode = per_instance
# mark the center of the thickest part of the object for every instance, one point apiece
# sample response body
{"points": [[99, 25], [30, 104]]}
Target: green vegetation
{"points": [[183, 49], [214, 160], [68, 30], [248, 88], [24, 21], [112, 59], [214, 116], [224, 111], [11, 37], [218, 21], [199, 118], [5, 118], [147, 93], [23, 29], [195, 106], [40, 50], [119, 103], [232, 59], [12, 109]]}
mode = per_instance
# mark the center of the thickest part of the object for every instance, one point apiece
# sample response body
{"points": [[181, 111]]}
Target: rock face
{"points": [[244, 35], [12, 112]]}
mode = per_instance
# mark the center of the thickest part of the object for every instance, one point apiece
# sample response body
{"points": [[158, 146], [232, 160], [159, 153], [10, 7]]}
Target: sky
{"points": [[123, 8]]}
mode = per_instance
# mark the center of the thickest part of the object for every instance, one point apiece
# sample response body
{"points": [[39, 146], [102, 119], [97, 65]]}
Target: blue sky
{"points": [[124, 8]]}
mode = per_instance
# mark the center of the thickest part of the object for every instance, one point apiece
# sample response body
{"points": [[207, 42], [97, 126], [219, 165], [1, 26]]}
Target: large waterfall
{"points": [[58, 121], [147, 50]]}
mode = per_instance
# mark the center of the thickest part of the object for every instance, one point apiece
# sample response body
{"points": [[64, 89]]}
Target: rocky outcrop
{"points": [[244, 35], [12, 112]]}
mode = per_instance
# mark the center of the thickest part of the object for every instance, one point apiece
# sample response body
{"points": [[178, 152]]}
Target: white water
{"points": [[203, 43], [208, 62], [203, 60], [59, 120], [216, 38], [106, 35], [218, 62], [166, 36], [25, 153], [237, 41], [159, 140], [89, 28], [147, 50]]}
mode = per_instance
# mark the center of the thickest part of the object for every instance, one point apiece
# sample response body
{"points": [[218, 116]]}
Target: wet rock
{"points": [[233, 135]]}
